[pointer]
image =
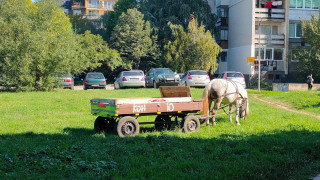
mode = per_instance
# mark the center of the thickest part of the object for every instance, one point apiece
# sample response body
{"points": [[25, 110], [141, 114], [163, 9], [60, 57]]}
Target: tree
{"points": [[110, 19], [195, 49], [133, 39], [309, 57], [160, 12], [37, 40]]}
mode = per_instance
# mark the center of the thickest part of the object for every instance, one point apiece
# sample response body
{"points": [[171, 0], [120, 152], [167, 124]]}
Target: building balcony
{"points": [[92, 16], [278, 40], [223, 22], [77, 5], [265, 14]]}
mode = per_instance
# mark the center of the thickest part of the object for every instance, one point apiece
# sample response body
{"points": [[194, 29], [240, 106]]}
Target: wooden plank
{"points": [[175, 91]]}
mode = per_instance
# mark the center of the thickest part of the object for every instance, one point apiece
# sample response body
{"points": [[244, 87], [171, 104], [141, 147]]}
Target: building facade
{"points": [[247, 27], [92, 9]]}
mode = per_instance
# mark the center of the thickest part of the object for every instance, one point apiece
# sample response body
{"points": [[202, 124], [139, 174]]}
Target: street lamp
{"points": [[259, 58]]}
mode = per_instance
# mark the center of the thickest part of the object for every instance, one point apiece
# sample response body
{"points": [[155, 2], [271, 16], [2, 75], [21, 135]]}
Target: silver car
{"points": [[195, 78], [234, 76], [133, 78], [66, 80]]}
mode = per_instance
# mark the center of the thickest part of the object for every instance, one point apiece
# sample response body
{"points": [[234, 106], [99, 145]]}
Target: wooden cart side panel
{"points": [[154, 108]]}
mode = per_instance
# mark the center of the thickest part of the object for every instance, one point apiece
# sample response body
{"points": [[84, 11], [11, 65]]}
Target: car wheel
{"points": [[84, 88]]}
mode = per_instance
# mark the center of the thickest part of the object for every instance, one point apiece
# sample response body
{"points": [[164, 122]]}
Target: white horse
{"points": [[225, 92]]}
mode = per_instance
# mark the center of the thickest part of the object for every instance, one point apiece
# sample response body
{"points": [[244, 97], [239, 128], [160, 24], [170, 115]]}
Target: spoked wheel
{"points": [[162, 122], [127, 126], [190, 124], [104, 124]]}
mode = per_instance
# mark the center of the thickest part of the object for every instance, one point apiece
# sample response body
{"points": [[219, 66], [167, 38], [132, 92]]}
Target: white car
{"points": [[195, 78], [133, 78], [234, 76]]}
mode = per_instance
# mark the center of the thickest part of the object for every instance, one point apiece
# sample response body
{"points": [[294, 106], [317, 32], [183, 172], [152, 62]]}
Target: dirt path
{"points": [[278, 105]]}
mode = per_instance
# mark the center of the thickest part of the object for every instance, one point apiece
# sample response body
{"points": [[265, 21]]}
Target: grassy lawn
{"points": [[300, 100], [49, 135]]}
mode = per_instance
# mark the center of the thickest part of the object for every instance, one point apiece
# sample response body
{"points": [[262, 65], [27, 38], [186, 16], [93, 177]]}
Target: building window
{"points": [[269, 54], [294, 55], [278, 54], [224, 35], [76, 12], [108, 4], [294, 30], [267, 30], [93, 4], [305, 4], [223, 56]]}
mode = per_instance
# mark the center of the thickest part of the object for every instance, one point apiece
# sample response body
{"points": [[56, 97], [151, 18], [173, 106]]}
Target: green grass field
{"points": [[49, 135]]}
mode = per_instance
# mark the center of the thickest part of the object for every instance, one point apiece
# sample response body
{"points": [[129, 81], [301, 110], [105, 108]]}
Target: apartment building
{"points": [[271, 27], [92, 9]]}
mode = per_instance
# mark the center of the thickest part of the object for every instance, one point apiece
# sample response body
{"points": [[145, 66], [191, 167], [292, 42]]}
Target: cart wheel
{"points": [[160, 122], [128, 126], [190, 124], [103, 124]]}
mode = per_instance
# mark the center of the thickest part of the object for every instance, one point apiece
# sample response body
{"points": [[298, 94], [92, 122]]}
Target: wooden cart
{"points": [[121, 114]]}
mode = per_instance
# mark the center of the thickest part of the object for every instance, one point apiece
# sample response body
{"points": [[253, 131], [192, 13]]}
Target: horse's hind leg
{"points": [[237, 114], [230, 112], [216, 106]]}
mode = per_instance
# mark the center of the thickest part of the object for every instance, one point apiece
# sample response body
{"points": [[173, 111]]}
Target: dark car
{"points": [[161, 77], [94, 80]]}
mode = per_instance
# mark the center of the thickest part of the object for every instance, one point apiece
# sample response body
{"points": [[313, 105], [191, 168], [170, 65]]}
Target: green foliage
{"points": [[309, 57], [49, 135], [195, 49], [133, 39], [81, 24], [37, 40], [110, 19], [160, 12]]}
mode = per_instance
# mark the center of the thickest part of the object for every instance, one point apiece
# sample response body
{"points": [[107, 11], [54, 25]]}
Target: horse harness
{"points": [[243, 103]]}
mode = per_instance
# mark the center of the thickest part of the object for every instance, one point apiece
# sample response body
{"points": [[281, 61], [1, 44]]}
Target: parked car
{"points": [[234, 76], [133, 78], [65, 79], [94, 80], [195, 78], [161, 77]]}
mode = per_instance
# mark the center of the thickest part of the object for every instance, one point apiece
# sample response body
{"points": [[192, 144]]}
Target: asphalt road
{"points": [[108, 87]]}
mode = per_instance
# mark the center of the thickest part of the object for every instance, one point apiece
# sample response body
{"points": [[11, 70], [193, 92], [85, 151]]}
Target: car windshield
{"points": [[163, 71], [95, 76], [198, 73], [234, 75], [133, 73]]}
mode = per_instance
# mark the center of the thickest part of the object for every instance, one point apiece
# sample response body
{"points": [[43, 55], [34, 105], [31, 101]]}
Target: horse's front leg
{"points": [[237, 114], [230, 112], [216, 106]]}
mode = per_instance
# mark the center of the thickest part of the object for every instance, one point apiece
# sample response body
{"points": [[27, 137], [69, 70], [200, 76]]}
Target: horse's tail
{"points": [[206, 103], [247, 108]]}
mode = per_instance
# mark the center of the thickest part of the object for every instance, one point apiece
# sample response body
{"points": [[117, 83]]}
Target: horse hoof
{"points": [[238, 124]]}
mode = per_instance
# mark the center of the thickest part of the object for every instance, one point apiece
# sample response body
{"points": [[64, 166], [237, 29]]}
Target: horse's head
{"points": [[244, 108]]}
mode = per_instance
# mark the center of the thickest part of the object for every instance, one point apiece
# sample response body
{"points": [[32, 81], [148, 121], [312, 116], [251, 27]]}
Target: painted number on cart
{"points": [[139, 108], [170, 107]]}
